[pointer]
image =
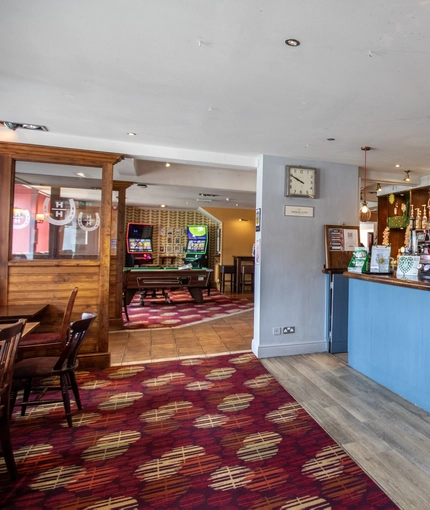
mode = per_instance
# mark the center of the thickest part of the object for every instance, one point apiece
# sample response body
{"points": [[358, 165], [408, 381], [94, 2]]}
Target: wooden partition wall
{"points": [[51, 281]]}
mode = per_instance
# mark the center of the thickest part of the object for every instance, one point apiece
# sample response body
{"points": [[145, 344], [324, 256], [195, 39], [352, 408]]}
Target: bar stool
{"points": [[247, 269], [224, 271]]}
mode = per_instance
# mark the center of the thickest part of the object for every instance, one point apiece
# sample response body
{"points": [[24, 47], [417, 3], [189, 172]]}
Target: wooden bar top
{"points": [[409, 282]]}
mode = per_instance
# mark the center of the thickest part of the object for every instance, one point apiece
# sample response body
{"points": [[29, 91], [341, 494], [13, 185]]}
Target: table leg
{"points": [[196, 294], [237, 279]]}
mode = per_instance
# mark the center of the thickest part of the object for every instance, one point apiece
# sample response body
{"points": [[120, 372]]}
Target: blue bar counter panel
{"points": [[389, 336]]}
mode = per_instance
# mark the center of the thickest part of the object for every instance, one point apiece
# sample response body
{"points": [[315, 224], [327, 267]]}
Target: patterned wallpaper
{"points": [[170, 235]]}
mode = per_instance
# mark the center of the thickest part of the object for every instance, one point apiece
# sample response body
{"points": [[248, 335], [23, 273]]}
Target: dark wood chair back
{"points": [[42, 367], [9, 339], [67, 317], [38, 344], [76, 336]]}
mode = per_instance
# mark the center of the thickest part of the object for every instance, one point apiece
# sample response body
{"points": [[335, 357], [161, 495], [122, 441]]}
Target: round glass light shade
{"points": [[364, 214]]}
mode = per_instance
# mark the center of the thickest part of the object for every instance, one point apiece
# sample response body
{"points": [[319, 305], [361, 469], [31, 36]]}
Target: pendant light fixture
{"points": [[407, 178], [364, 214]]}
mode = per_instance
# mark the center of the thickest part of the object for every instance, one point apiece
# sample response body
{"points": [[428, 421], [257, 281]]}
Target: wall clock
{"points": [[300, 182]]}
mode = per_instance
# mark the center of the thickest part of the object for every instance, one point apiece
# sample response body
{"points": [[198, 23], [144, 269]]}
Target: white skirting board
{"points": [[271, 351]]}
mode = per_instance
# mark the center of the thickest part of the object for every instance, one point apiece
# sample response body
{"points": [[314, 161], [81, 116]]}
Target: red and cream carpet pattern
{"points": [[183, 311], [194, 434]]}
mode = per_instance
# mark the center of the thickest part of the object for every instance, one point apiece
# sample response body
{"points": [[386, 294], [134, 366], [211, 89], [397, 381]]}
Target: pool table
{"points": [[152, 279]]}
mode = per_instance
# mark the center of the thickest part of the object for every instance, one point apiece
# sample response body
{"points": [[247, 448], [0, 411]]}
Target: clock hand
{"points": [[297, 179]]}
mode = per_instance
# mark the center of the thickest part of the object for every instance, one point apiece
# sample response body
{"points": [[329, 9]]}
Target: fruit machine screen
{"points": [[139, 245], [197, 239]]}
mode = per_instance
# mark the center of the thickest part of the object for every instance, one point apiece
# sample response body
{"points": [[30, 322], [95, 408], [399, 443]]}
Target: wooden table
{"points": [[238, 259], [28, 328], [21, 311]]}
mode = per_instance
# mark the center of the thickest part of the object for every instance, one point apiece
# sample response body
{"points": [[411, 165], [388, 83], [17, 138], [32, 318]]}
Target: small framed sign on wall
{"points": [[297, 210]]}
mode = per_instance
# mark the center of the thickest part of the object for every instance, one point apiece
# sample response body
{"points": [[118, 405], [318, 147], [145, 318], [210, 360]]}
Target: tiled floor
{"points": [[231, 334]]}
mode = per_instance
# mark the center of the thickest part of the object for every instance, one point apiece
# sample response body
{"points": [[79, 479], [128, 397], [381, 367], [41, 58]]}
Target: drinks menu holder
{"points": [[340, 241]]}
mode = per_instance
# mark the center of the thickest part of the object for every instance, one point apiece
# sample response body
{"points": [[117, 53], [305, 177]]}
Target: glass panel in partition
{"points": [[55, 216]]}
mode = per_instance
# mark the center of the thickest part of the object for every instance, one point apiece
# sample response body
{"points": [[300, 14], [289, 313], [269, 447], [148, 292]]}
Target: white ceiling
{"points": [[212, 84]]}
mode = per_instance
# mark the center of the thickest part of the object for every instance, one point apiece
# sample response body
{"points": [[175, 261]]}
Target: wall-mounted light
{"points": [[406, 177], [40, 218], [167, 164], [17, 212], [243, 219]]}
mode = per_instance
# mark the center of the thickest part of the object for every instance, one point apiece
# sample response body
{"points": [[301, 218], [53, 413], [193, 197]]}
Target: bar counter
{"points": [[408, 282], [389, 333]]}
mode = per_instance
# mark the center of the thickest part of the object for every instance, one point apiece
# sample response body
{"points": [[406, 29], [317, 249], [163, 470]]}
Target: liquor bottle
{"points": [[424, 220], [411, 218], [418, 221], [396, 208]]}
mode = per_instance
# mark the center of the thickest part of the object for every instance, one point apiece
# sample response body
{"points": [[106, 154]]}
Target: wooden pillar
{"points": [[120, 252], [7, 178], [105, 233]]}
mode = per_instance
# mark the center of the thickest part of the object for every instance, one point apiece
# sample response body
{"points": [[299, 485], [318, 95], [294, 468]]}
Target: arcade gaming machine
{"points": [[197, 246], [139, 244]]}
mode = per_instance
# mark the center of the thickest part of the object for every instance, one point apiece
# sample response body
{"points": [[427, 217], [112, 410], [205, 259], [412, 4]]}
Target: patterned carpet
{"points": [[183, 311], [195, 434]]}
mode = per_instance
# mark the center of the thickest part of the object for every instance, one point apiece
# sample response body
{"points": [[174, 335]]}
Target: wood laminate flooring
{"points": [[386, 435]]}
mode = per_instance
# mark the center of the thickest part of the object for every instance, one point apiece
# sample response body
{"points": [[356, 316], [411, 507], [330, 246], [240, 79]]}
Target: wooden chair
{"points": [[9, 339], [63, 366], [229, 271], [125, 277], [247, 269], [40, 343]]}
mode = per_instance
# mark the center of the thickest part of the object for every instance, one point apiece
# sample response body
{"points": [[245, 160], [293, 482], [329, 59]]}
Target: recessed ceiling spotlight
{"points": [[162, 205], [292, 42], [9, 125], [167, 164], [331, 139], [237, 205], [397, 166], [227, 199], [81, 174], [15, 125], [130, 133]]}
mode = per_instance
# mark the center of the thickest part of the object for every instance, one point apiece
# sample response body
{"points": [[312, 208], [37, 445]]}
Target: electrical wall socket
{"points": [[277, 331], [288, 329]]}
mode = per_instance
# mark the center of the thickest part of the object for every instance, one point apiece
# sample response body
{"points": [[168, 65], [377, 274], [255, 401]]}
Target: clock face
{"points": [[300, 182]]}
